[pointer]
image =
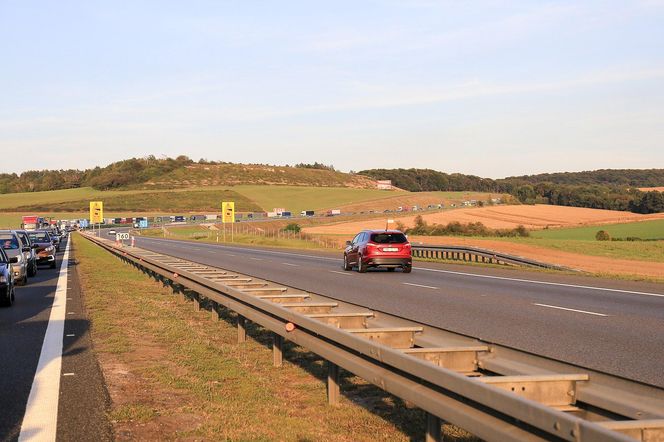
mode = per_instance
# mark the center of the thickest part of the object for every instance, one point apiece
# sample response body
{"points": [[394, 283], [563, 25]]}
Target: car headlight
{"points": [[3, 278], [19, 258], [50, 248]]}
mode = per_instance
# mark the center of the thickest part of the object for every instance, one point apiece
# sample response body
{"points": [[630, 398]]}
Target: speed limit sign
{"points": [[121, 236]]}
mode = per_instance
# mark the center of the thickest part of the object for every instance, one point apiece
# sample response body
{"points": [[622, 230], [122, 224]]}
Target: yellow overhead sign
{"points": [[227, 212], [96, 212]]}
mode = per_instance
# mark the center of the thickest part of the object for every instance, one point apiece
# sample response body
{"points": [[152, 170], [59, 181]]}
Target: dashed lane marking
{"points": [[570, 309], [420, 285]]}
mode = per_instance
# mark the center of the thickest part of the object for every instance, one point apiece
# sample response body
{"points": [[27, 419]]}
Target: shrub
{"points": [[602, 235], [293, 227]]}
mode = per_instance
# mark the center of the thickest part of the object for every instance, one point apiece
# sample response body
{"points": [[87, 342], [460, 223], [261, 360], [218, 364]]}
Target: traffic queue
{"points": [[24, 250]]}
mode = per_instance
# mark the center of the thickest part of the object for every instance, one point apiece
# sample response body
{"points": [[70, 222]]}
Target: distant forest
{"points": [[614, 189]]}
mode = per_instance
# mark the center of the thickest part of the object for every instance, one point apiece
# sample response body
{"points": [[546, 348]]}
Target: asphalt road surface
{"points": [[607, 325], [68, 402]]}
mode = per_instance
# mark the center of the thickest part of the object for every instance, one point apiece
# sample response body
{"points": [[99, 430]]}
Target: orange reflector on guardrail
{"points": [[290, 326]]}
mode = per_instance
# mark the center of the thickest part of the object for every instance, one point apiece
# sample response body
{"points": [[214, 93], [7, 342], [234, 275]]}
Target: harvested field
{"points": [[500, 217]]}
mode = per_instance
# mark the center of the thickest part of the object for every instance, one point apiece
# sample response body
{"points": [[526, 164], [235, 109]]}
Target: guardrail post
{"points": [[277, 350], [333, 391], [196, 297], [433, 433], [241, 329]]}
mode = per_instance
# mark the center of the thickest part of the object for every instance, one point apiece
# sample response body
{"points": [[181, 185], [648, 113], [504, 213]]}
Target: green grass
{"points": [[201, 234], [644, 229], [632, 250], [162, 201], [298, 198], [186, 377]]}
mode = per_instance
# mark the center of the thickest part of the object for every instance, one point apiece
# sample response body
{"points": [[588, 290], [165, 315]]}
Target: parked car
{"points": [[6, 279], [378, 248], [45, 248], [28, 252], [13, 247], [111, 232]]}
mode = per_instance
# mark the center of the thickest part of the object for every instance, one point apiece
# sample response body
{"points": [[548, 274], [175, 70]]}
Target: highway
{"points": [[607, 325], [50, 383]]}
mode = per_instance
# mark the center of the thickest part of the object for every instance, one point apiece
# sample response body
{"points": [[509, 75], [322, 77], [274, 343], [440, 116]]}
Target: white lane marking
{"points": [[559, 284], [67, 374], [530, 281], [257, 259], [340, 273], [70, 335], [569, 309], [40, 421], [289, 264], [420, 285]]}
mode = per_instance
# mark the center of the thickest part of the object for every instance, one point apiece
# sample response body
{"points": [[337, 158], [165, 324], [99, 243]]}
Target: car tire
{"points": [[407, 269], [33, 270], [390, 269], [346, 265], [8, 300], [53, 265], [361, 266]]}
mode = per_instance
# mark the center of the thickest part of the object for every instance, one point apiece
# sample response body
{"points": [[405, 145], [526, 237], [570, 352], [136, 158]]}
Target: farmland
{"points": [[500, 217], [645, 230]]}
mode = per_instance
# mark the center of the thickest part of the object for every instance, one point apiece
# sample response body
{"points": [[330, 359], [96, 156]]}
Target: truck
{"points": [[32, 222], [286, 214], [333, 212], [307, 213]]}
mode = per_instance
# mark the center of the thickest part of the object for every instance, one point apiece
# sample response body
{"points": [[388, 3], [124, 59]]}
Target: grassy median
{"points": [[174, 373]]}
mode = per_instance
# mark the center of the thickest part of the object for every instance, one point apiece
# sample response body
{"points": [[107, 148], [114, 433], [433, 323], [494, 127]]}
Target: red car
{"points": [[378, 248]]}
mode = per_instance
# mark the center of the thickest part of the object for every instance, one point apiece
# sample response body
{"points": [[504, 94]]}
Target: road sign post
{"points": [[121, 237], [228, 216]]}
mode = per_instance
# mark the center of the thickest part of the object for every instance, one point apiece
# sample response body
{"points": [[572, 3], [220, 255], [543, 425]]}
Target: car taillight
{"points": [[371, 245], [406, 246]]}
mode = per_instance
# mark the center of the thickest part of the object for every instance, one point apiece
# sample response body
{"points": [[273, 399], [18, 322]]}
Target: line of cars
{"points": [[21, 252]]}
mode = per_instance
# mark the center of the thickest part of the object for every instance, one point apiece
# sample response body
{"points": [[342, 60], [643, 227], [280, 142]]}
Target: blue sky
{"points": [[488, 88]]}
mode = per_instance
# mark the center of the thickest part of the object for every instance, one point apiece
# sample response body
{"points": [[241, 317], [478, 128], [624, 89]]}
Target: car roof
{"points": [[383, 231]]}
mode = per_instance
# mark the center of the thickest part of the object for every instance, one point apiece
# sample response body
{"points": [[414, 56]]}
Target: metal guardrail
{"points": [[495, 392], [476, 254]]}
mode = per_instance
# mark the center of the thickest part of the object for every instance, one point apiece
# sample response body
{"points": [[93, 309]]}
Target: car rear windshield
{"points": [[40, 237], [9, 242], [388, 238]]}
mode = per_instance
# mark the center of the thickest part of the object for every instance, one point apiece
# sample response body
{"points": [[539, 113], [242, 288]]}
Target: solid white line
{"points": [[40, 421], [569, 309], [340, 273], [289, 264], [529, 281], [257, 259], [420, 285]]}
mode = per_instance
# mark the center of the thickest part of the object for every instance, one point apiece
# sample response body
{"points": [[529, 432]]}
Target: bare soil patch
{"points": [[650, 189]]}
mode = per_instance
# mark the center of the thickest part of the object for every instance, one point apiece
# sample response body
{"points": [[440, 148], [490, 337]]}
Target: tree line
{"points": [[119, 174], [602, 189]]}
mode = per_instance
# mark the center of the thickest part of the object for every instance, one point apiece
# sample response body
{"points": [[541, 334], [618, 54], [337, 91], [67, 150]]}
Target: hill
{"points": [[229, 174], [170, 173]]}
